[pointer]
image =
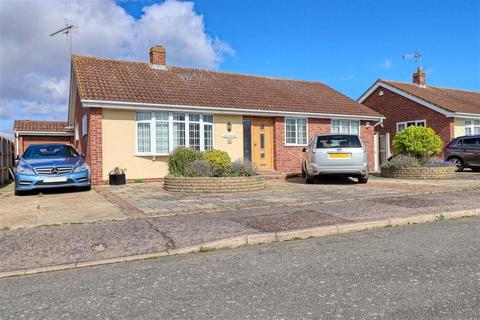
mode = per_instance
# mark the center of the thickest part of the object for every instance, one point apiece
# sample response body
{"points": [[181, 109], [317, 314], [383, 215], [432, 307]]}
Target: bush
{"points": [[241, 168], [436, 161], [418, 142], [219, 160], [402, 161], [180, 159], [199, 168]]}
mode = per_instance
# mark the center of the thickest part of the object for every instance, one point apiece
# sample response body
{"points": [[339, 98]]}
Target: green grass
{"points": [[4, 228], [138, 180], [211, 249], [442, 217], [388, 225], [295, 238]]}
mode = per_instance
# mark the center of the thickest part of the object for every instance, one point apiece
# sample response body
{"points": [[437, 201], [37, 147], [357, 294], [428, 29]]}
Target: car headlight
{"points": [[80, 168], [24, 170]]}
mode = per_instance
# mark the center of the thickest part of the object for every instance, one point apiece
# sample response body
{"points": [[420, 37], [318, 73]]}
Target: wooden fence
{"points": [[6, 159]]}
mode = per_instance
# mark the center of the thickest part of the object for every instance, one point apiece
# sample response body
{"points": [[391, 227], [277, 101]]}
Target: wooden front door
{"points": [[262, 143]]}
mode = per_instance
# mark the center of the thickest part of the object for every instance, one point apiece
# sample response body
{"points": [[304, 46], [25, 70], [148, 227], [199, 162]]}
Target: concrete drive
{"points": [[49, 246], [428, 271], [54, 207], [149, 199]]}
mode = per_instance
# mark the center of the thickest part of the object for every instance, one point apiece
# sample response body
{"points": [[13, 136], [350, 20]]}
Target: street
{"points": [[426, 271]]}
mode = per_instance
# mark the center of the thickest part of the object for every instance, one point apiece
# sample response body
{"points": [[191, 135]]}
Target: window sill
{"points": [[295, 145], [151, 154]]}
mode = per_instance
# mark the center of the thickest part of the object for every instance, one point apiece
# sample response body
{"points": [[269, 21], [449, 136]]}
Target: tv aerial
{"points": [[69, 29], [417, 56]]}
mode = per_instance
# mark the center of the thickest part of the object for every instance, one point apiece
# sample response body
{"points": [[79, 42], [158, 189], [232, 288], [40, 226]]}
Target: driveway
{"points": [[53, 207], [150, 200]]}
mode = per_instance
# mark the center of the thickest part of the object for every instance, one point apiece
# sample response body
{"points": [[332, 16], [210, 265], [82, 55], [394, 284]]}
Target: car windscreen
{"points": [[338, 141], [53, 151]]}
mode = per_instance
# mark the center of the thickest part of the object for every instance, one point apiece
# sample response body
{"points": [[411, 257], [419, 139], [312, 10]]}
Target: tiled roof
{"points": [[126, 81], [453, 100], [40, 126]]}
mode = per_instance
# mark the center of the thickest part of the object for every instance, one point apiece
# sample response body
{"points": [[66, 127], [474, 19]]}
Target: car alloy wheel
{"points": [[458, 164]]}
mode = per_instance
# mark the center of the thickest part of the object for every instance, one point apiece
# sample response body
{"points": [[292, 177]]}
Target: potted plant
{"points": [[117, 176]]}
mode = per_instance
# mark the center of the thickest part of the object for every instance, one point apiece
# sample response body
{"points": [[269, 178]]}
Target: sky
{"points": [[345, 44]]}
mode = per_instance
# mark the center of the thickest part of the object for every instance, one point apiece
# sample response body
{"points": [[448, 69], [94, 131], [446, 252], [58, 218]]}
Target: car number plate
{"points": [[54, 179], [339, 155]]}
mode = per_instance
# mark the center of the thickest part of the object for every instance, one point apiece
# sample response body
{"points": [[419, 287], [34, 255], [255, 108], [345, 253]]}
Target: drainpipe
{"points": [[16, 143]]}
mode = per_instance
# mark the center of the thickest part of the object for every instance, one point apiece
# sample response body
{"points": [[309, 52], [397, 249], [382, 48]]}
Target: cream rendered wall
{"points": [[234, 147], [459, 127], [118, 138]]}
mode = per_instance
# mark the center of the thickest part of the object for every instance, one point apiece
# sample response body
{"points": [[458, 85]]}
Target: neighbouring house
{"points": [[27, 132], [133, 114], [450, 112]]}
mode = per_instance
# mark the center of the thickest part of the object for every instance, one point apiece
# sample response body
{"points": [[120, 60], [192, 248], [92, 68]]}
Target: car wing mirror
{"points": [[82, 155], [17, 157]]}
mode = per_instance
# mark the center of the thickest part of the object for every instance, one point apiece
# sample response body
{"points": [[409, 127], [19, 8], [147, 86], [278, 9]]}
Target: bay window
{"points": [[346, 126], [159, 133], [296, 131], [472, 127]]}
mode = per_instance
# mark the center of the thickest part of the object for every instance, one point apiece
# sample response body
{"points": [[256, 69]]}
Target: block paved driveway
{"points": [[150, 200]]}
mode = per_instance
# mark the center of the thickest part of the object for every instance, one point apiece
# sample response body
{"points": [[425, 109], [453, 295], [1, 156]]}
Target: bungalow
{"points": [[450, 112], [133, 114], [27, 132]]}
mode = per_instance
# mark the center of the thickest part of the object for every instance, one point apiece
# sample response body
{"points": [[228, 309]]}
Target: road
{"points": [[426, 271]]}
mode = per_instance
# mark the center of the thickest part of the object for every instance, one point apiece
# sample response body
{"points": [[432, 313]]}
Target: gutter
{"points": [[185, 108]]}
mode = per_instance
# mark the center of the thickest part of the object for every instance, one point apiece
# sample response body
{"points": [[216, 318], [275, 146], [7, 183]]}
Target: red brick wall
{"points": [[25, 141], [397, 108], [289, 158], [91, 143]]}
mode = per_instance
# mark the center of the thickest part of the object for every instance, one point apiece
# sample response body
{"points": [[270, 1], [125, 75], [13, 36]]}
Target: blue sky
{"points": [[345, 44]]}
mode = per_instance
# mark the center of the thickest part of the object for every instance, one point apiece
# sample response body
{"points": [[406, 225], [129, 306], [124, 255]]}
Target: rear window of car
{"points": [[338, 141], [471, 142], [53, 151]]}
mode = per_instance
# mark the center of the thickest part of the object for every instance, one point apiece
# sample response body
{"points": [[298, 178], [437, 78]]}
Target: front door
{"points": [[262, 143]]}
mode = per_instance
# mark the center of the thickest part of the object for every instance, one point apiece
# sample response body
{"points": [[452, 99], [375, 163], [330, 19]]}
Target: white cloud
{"points": [[386, 64], [34, 67]]}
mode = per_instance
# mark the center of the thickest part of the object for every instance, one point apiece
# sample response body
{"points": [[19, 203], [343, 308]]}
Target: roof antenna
{"points": [[68, 30], [417, 56]]}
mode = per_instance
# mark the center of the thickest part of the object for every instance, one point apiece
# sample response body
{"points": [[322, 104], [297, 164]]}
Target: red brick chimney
{"points": [[419, 77], [158, 56]]}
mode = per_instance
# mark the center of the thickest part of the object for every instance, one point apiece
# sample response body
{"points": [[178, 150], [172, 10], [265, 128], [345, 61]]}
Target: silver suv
{"points": [[335, 154]]}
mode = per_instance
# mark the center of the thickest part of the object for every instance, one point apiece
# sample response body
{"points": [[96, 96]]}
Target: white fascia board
{"points": [[463, 115], [215, 110], [43, 133], [406, 95]]}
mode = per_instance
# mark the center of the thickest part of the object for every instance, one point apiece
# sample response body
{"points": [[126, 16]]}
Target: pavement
{"points": [[425, 271], [54, 207], [75, 243]]}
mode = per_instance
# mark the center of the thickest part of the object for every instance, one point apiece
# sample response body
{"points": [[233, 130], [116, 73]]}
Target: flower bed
{"points": [[213, 184], [419, 173]]}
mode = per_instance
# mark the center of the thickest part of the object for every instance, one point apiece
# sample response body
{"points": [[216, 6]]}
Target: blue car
{"points": [[44, 166]]}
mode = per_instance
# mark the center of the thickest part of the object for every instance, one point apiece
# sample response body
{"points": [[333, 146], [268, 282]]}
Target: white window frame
{"points": [[471, 126], [77, 133], [296, 132], [84, 125], [405, 123], [349, 127], [153, 131]]}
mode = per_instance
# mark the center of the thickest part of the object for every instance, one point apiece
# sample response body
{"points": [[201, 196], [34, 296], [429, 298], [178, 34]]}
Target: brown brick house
{"points": [[133, 114], [27, 132], [450, 112]]}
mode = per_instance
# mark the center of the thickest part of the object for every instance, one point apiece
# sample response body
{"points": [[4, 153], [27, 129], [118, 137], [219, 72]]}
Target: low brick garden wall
{"points": [[419, 173], [213, 184]]}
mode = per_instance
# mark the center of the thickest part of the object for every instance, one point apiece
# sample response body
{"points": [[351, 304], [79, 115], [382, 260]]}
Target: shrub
{"points": [[417, 142], [241, 168], [199, 168], [180, 159], [402, 161], [436, 161], [218, 159]]}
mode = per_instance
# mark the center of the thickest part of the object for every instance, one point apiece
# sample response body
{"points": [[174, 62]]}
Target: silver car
{"points": [[335, 154]]}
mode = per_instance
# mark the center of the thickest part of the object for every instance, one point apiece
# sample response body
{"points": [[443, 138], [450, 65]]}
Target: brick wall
{"points": [[289, 158], [397, 108], [91, 143]]}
